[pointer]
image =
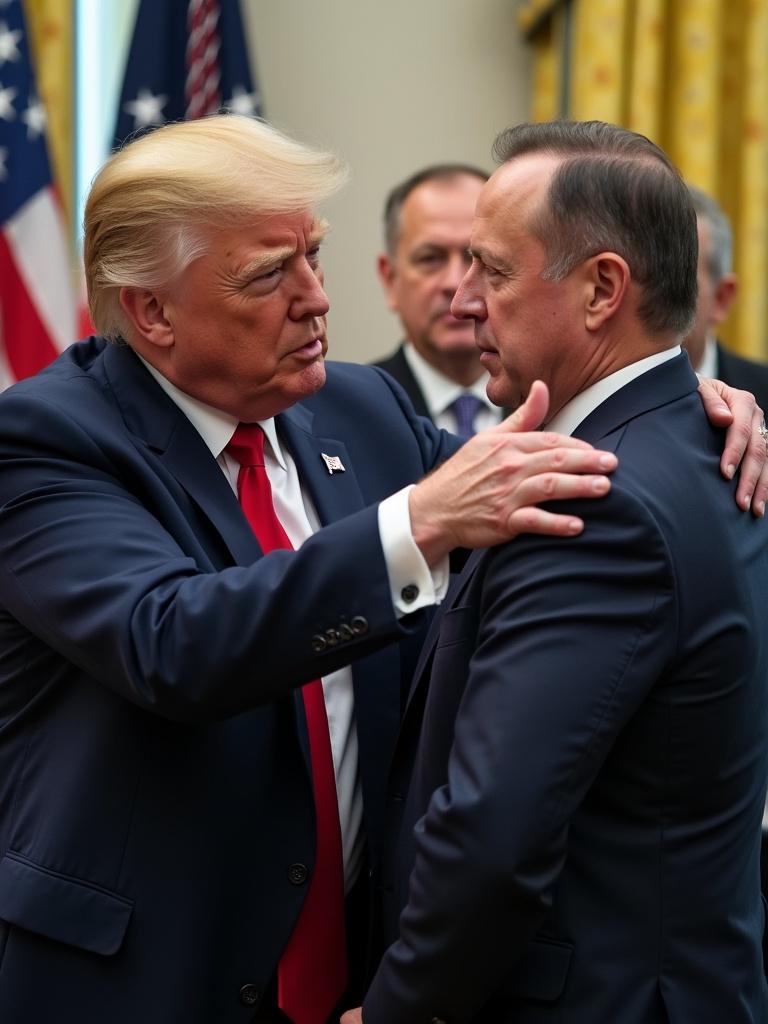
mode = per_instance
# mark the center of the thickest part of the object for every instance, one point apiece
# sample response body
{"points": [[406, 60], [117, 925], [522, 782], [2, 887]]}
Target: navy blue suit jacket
{"points": [[154, 787], [587, 742]]}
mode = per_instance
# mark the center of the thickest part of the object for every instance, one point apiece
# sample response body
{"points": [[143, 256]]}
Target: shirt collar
{"points": [[214, 426], [708, 365], [576, 411], [438, 390]]}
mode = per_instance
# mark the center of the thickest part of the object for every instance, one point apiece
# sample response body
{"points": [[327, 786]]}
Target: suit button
{"points": [[359, 625], [297, 874], [249, 995], [319, 643], [331, 637], [345, 632], [438, 1020], [409, 593]]}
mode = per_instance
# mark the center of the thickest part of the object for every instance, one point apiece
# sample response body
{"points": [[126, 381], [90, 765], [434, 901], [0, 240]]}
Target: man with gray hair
{"points": [[718, 287], [576, 794]]}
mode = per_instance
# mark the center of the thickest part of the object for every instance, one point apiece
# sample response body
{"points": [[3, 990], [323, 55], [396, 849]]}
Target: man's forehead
{"points": [[523, 179], [279, 230]]}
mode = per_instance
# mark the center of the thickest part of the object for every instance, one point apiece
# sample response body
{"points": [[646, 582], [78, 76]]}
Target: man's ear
{"points": [[607, 281], [146, 313], [725, 292], [385, 266]]}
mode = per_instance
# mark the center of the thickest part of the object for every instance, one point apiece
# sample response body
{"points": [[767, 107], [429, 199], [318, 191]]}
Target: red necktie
{"points": [[312, 973]]}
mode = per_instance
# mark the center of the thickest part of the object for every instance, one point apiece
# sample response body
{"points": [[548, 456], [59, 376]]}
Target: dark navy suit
{"points": [[587, 742], [743, 373], [156, 816]]}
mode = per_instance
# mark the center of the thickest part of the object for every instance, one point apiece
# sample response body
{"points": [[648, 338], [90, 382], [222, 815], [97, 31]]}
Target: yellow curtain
{"points": [[693, 76], [51, 35]]}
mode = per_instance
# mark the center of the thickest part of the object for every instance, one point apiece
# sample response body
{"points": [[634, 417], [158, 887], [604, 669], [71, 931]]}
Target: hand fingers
{"points": [[753, 475], [559, 487], [566, 460], [531, 413], [740, 433], [714, 403], [529, 441], [535, 520]]}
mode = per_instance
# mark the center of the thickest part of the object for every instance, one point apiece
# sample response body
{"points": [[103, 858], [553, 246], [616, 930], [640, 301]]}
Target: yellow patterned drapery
{"points": [[693, 76], [50, 24]]}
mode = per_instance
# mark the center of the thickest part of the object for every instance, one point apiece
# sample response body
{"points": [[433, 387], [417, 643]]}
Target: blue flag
{"points": [[187, 58]]}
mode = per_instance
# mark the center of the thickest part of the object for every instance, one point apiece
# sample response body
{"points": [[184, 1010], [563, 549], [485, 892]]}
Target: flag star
{"points": [[7, 97], [3, 168], [146, 109], [242, 102], [34, 118], [9, 49]]}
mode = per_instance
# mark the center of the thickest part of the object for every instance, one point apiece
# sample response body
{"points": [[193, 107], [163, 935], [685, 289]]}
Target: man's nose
{"points": [[467, 303], [310, 299]]}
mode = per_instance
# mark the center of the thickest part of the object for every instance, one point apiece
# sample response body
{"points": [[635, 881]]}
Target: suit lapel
{"points": [[657, 387], [335, 494], [155, 420]]}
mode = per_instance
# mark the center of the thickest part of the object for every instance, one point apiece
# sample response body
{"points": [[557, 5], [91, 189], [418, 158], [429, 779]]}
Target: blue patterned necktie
{"points": [[465, 408]]}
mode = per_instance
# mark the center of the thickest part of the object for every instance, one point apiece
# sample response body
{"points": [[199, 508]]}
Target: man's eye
{"points": [[268, 274], [313, 255]]}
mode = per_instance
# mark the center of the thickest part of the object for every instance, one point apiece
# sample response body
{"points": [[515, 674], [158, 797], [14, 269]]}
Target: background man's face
{"points": [[526, 327], [248, 318], [429, 262]]}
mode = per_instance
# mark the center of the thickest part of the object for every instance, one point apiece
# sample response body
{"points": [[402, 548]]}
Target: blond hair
{"points": [[154, 204]]}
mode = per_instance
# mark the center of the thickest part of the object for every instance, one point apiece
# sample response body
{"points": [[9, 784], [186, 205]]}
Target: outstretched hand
{"points": [[488, 492]]}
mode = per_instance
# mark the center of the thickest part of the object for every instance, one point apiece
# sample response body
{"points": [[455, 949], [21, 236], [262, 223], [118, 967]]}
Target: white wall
{"points": [[390, 85]]}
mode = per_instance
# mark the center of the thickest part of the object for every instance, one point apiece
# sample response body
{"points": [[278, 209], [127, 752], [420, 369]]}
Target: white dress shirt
{"points": [[405, 566], [708, 365], [440, 391], [576, 411]]}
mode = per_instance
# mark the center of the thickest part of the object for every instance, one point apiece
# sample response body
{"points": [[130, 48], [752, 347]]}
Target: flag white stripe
{"points": [[38, 242]]}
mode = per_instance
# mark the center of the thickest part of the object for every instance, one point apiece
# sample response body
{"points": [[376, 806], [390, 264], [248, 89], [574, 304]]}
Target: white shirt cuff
{"points": [[412, 584]]}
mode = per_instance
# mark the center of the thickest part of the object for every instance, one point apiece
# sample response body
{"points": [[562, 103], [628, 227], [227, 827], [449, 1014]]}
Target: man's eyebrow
{"points": [[272, 257], [319, 230], [479, 252], [265, 259]]}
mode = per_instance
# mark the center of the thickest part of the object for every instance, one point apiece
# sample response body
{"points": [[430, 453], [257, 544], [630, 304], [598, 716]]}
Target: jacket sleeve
{"points": [[90, 570]]}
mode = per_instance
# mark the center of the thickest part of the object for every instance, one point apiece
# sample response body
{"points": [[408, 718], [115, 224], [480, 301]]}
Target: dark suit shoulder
{"points": [[743, 373]]}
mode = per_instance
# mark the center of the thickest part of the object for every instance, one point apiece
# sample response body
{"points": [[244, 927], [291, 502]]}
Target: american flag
{"points": [[187, 59], [38, 308]]}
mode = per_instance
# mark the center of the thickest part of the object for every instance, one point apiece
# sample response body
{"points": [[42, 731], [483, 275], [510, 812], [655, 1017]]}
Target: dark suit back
{"points": [[587, 741]]}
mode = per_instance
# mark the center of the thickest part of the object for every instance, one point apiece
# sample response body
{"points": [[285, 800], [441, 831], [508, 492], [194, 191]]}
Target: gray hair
{"points": [[720, 260], [617, 191]]}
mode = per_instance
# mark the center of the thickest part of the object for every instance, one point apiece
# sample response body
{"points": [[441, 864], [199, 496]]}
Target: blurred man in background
{"points": [[718, 287], [427, 224]]}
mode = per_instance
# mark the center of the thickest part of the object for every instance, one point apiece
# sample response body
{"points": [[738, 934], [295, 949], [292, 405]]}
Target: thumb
{"points": [[530, 415]]}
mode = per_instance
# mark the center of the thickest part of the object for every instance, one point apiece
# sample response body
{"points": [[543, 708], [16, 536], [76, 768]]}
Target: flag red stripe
{"points": [[28, 346]]}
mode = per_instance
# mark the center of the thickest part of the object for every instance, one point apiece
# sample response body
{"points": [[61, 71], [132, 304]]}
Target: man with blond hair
{"points": [[202, 526]]}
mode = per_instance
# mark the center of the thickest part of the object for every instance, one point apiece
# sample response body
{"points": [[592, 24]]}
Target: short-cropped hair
{"points": [[393, 204], [615, 191], [156, 202]]}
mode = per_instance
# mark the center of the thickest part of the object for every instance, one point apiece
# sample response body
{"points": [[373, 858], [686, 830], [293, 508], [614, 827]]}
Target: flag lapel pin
{"points": [[332, 463]]}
